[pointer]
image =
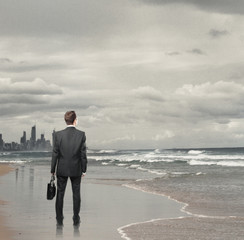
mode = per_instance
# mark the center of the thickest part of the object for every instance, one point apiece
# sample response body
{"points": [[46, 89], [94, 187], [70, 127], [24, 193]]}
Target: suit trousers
{"points": [[61, 186]]}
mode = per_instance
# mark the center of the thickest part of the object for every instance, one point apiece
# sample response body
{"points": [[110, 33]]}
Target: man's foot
{"points": [[76, 222], [60, 223]]}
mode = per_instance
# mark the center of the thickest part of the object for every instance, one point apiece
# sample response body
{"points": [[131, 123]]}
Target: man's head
{"points": [[70, 118]]}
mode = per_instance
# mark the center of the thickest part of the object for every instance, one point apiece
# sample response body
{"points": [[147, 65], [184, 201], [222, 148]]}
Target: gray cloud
{"points": [[7, 99], [37, 87], [173, 53], [219, 6], [196, 51], [220, 100], [148, 93], [59, 17], [123, 66], [5, 60], [217, 33], [27, 67]]}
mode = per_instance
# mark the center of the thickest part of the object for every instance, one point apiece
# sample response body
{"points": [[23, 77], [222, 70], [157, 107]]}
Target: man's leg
{"points": [[76, 198], [61, 186]]}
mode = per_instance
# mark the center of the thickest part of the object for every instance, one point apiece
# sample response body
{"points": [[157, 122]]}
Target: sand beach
{"points": [[5, 232], [107, 205]]}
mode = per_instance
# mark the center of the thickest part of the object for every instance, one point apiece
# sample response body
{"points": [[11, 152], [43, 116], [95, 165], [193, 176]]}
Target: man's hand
{"points": [[83, 174]]}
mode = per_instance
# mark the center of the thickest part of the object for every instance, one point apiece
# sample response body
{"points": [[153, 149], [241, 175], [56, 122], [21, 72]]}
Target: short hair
{"points": [[70, 117]]}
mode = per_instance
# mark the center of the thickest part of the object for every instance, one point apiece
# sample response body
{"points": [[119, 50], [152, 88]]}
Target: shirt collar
{"points": [[70, 126]]}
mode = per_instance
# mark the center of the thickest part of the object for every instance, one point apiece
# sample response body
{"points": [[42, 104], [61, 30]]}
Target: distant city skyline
{"points": [[26, 145]]}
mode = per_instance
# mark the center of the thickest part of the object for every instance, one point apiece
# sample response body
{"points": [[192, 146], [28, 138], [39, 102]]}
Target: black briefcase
{"points": [[51, 189]]}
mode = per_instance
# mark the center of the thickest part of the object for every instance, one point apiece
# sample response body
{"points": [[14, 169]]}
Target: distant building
{"points": [[1, 142], [33, 138], [42, 144], [23, 139], [33, 133], [23, 143], [27, 145]]}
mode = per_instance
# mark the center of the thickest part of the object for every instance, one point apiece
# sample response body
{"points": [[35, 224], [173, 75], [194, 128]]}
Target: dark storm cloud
{"points": [[21, 98], [222, 100], [219, 6], [217, 33]]}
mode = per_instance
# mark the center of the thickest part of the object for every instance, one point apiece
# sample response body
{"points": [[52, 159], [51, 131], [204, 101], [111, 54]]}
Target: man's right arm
{"points": [[83, 156]]}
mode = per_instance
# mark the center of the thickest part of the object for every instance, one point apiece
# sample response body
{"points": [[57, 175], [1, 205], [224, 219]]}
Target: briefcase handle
{"points": [[52, 180]]}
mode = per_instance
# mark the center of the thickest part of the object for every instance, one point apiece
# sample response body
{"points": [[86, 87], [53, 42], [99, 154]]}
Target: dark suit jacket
{"points": [[69, 153]]}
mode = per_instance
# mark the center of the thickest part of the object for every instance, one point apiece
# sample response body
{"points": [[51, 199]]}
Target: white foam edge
{"points": [[183, 209], [105, 163], [17, 162], [123, 234], [121, 164], [138, 167]]}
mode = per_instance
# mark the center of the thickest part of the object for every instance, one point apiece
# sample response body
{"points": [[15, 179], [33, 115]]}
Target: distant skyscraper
{"points": [[1, 142], [23, 139], [33, 138], [33, 134]]}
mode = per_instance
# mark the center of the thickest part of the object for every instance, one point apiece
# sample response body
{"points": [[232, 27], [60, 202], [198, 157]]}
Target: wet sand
{"points": [[5, 232], [209, 218], [190, 228], [106, 205], [201, 200]]}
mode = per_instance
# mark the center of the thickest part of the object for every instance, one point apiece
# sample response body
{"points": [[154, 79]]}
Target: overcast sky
{"points": [[139, 73]]}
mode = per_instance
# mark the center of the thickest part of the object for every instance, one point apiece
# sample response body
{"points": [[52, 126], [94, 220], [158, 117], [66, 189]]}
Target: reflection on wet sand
{"points": [[105, 208]]}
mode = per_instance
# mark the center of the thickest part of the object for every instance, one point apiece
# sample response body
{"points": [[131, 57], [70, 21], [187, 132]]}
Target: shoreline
{"points": [[181, 228], [122, 229], [5, 232], [194, 224]]}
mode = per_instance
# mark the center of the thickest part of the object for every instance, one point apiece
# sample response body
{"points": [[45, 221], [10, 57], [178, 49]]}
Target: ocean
{"points": [[210, 182]]}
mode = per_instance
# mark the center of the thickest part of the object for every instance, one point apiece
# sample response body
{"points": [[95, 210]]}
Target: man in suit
{"points": [[69, 161]]}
